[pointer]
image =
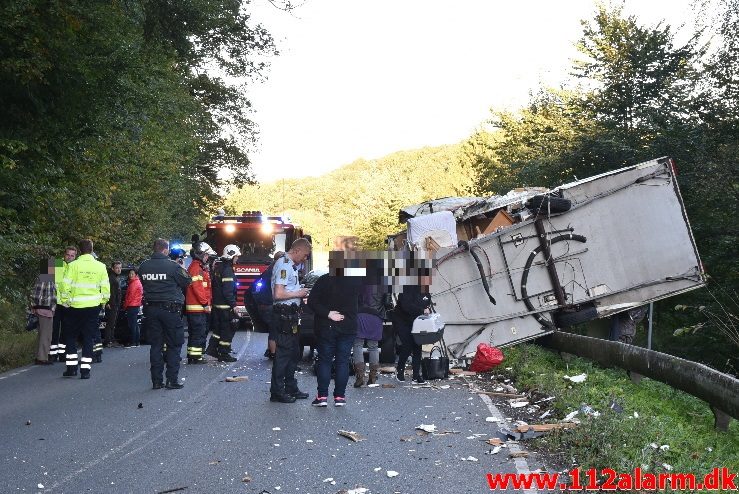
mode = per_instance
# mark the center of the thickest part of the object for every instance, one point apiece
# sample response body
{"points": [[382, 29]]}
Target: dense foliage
{"points": [[638, 97], [112, 128]]}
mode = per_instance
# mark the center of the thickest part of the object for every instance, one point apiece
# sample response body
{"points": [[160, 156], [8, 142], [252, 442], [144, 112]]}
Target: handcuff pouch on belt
{"points": [[288, 316]]}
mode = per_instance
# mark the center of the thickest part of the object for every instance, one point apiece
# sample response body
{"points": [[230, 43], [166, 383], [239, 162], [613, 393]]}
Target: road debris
{"points": [[28, 422], [502, 394], [378, 469], [517, 404], [354, 436], [388, 370], [329, 480], [615, 407], [580, 378], [571, 416], [246, 479], [426, 428], [141, 405], [388, 385], [214, 462], [589, 411], [392, 473], [495, 441], [545, 414], [406, 439], [235, 379], [40, 486], [493, 419], [462, 372], [176, 489], [470, 458], [357, 490], [494, 451], [276, 429], [520, 454], [375, 385]]}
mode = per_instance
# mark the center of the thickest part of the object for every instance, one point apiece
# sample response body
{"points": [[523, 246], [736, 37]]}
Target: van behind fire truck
{"points": [[258, 236]]}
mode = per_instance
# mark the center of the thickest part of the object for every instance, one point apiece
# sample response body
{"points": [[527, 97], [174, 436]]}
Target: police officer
{"points": [[224, 302], [287, 295], [164, 282]]}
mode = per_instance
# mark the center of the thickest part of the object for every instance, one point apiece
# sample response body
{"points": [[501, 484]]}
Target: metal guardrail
{"points": [[719, 390]]}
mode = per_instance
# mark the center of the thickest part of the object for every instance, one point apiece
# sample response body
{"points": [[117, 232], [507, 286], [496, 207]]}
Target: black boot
{"points": [[400, 372], [225, 356], [174, 385], [70, 372]]}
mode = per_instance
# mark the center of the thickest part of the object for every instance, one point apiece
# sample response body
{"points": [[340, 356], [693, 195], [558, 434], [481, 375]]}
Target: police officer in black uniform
{"points": [[164, 282]]}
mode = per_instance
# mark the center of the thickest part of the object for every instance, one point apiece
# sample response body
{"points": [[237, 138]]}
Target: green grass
{"points": [[17, 346], [619, 440]]}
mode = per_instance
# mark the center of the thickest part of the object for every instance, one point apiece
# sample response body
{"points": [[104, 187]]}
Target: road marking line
{"points": [[522, 466], [153, 427]]}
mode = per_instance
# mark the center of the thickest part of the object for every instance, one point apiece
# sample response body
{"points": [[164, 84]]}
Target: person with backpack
{"points": [[261, 292]]}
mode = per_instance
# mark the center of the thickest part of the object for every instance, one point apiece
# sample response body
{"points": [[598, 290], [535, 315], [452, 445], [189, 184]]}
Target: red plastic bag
{"points": [[486, 358]]}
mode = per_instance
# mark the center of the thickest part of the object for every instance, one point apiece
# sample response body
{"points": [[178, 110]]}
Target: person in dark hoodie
{"points": [[334, 300], [414, 301], [372, 312]]}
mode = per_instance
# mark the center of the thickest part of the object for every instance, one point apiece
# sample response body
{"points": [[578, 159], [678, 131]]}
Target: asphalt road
{"points": [[70, 435]]}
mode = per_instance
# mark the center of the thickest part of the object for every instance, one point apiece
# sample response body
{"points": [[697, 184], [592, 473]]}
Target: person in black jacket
{"points": [[414, 301], [224, 302], [335, 302]]}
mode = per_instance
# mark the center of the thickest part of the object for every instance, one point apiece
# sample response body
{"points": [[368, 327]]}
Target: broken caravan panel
{"points": [[616, 241], [258, 237]]}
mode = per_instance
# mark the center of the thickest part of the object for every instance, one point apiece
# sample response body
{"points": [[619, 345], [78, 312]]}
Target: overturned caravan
{"points": [[516, 267]]}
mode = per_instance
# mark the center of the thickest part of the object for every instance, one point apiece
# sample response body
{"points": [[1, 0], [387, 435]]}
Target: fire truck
{"points": [[258, 236]]}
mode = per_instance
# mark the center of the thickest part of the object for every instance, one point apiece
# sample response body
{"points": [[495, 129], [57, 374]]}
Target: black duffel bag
{"points": [[435, 367]]}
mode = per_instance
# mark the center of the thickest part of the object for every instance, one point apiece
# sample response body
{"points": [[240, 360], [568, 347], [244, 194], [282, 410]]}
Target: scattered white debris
{"points": [[373, 385], [519, 404], [667, 467], [495, 450], [277, 487], [40, 486], [330, 479], [276, 429], [358, 490], [654, 445], [664, 447], [709, 449], [445, 386], [580, 378], [392, 473], [276, 445], [571, 416], [545, 414], [469, 458], [509, 368], [550, 398], [491, 419], [378, 469], [636, 415], [427, 428], [309, 440]]}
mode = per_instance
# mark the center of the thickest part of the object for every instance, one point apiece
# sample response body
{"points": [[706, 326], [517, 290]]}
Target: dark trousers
{"points": [[223, 332], [97, 338], [265, 312], [132, 317], [84, 322], [333, 345], [197, 330], [164, 327], [58, 340], [285, 364], [111, 321], [408, 348]]}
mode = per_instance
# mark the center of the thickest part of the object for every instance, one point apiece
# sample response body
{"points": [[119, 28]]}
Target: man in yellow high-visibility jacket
{"points": [[84, 289]]}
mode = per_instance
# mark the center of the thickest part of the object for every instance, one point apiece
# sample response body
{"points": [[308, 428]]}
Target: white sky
{"points": [[364, 78]]}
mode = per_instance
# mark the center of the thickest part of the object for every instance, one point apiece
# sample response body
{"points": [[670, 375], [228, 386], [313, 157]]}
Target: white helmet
{"points": [[230, 251], [204, 248]]}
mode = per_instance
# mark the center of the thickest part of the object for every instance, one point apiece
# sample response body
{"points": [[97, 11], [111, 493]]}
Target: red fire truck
{"points": [[258, 236]]}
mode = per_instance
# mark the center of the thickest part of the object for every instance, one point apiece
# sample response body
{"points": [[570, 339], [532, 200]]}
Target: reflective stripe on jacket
{"points": [[198, 295], [85, 283]]}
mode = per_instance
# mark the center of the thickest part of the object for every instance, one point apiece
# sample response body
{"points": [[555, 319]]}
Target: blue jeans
{"points": [[132, 316], [332, 344]]}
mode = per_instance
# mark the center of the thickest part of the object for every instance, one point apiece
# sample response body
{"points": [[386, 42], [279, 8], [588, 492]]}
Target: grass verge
{"points": [[17, 346], [653, 414]]}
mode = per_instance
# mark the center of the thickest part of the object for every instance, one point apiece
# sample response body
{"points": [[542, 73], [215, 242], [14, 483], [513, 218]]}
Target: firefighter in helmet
{"points": [[224, 303], [198, 302]]}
